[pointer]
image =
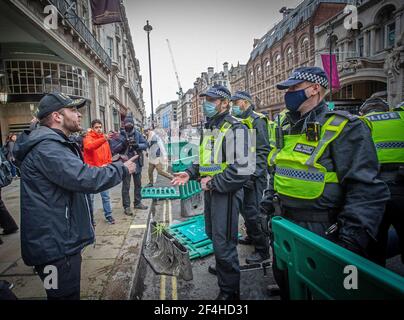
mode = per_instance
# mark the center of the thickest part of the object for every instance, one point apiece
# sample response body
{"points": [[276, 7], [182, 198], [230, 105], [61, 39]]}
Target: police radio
{"points": [[313, 131], [279, 135]]}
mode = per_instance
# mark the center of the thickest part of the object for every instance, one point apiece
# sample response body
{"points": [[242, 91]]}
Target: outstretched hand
{"points": [[180, 179], [131, 165]]}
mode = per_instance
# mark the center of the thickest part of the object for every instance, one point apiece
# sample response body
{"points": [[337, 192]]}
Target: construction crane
{"points": [[180, 93]]}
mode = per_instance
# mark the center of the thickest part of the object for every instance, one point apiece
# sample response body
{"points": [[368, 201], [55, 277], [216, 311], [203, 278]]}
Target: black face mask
{"points": [[128, 128]]}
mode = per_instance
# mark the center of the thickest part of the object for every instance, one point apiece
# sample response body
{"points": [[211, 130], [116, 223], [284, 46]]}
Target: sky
{"points": [[202, 34]]}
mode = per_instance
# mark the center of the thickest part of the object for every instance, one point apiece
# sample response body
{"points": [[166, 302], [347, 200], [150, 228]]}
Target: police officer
{"points": [[326, 169], [243, 109], [388, 136], [223, 172]]}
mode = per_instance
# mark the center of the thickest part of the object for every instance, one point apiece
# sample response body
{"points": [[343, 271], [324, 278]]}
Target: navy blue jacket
{"points": [[120, 145], [55, 216]]}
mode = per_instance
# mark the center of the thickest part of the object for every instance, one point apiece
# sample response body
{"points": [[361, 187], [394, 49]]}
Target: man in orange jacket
{"points": [[97, 153]]}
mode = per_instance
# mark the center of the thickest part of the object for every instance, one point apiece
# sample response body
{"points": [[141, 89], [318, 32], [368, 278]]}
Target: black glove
{"points": [[351, 247], [250, 184], [263, 221]]}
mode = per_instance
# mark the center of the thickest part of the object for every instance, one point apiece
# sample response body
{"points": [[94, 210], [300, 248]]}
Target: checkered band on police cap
{"points": [[219, 93], [311, 77]]}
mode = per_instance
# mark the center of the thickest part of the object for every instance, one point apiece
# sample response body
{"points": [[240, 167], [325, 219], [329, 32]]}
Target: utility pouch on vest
{"points": [[276, 201], [279, 135]]}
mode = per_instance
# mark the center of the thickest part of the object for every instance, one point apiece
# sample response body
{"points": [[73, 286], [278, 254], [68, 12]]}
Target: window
{"points": [[361, 47], [267, 68], [278, 63], [289, 57], [391, 34], [304, 49], [251, 78], [110, 47], [36, 77], [259, 73]]}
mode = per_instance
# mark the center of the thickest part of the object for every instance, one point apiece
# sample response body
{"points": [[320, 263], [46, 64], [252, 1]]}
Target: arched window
{"points": [[386, 33], [304, 48], [289, 57], [267, 68], [259, 73], [251, 77], [278, 63]]}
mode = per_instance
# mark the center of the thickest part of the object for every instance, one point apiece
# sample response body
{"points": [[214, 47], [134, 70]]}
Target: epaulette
{"points": [[345, 114], [232, 120]]}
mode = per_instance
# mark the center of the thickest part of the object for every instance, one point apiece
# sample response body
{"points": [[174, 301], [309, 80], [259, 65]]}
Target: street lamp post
{"points": [[330, 32], [148, 28]]}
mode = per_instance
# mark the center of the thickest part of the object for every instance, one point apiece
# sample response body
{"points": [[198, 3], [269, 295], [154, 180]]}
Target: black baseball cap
{"points": [[55, 101]]}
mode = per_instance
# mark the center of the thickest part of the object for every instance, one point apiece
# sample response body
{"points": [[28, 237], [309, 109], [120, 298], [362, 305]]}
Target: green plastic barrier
{"points": [[181, 150], [160, 193], [316, 268], [186, 191], [182, 164], [190, 189]]}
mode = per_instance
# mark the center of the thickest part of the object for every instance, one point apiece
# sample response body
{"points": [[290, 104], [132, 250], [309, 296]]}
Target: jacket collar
{"points": [[216, 121]]}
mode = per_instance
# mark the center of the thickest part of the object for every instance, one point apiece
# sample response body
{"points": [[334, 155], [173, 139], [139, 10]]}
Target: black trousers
{"points": [[68, 278], [6, 220], [393, 216], [221, 223], [137, 181], [251, 201]]}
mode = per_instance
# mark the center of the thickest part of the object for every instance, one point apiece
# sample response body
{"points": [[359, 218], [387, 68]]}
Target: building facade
{"points": [[288, 45], [166, 115], [371, 57], [184, 110], [202, 83], [237, 77], [73, 56]]}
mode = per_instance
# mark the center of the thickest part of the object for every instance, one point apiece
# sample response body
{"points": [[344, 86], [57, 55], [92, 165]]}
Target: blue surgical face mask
{"points": [[209, 109], [295, 99], [236, 111]]}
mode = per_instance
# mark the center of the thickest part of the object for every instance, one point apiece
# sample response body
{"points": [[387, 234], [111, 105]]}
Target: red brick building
{"points": [[288, 45]]}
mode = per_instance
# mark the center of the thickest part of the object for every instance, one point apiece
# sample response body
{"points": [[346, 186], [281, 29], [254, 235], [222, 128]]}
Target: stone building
{"points": [[288, 45], [238, 77], [371, 57], [202, 83], [75, 57]]}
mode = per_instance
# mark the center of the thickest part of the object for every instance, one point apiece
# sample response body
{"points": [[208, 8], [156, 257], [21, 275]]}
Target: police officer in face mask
{"points": [[326, 170], [258, 123], [223, 172], [388, 136]]}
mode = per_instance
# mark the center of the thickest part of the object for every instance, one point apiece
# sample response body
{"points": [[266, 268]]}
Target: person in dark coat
{"points": [[55, 218], [130, 143], [7, 222]]}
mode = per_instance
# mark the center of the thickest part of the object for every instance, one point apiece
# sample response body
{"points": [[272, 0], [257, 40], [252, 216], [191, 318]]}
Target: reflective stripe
{"points": [[210, 168], [300, 174], [330, 134], [390, 145]]}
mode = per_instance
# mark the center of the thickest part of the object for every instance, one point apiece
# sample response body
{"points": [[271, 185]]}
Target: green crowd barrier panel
{"points": [[181, 150], [190, 189], [160, 193], [319, 269], [187, 191], [183, 164]]}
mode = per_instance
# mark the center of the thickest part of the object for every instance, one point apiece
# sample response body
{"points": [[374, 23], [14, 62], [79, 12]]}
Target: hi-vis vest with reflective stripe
{"points": [[388, 135], [209, 152], [249, 122], [298, 173], [272, 137]]}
